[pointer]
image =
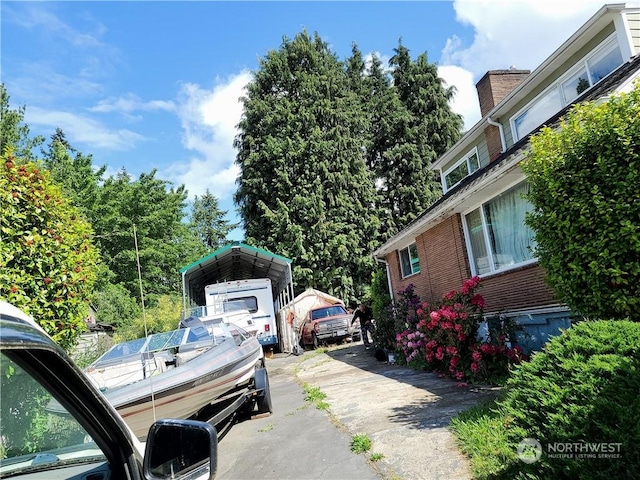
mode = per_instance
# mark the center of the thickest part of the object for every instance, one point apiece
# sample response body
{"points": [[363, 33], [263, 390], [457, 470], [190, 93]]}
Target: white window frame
{"points": [[599, 52], [465, 159], [412, 263], [487, 239]]}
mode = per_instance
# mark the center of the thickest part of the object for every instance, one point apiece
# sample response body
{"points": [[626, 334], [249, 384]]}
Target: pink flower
{"points": [[451, 350], [470, 284], [475, 367], [435, 316], [478, 300], [477, 356]]}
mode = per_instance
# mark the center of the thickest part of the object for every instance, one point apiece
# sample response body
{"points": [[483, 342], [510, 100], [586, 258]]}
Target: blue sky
{"points": [[155, 84]]}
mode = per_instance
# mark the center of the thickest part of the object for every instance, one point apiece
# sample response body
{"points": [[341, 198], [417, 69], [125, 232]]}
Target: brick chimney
{"points": [[492, 88]]}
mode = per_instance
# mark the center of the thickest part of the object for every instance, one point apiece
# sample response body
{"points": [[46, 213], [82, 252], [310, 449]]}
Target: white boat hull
{"points": [[199, 378]]}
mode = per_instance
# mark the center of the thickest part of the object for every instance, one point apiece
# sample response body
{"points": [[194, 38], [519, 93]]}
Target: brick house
{"points": [[477, 226]]}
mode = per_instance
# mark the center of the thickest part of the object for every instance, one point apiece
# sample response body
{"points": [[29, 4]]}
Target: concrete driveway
{"points": [[405, 413]]}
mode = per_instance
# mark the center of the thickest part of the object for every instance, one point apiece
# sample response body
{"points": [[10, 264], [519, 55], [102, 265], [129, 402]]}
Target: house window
{"points": [[543, 108], [586, 73], [462, 168], [496, 233], [409, 261]]}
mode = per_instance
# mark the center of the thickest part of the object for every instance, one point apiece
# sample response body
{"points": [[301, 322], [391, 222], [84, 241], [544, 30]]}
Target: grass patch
{"points": [[266, 428], [375, 457], [360, 443], [482, 436], [316, 396]]}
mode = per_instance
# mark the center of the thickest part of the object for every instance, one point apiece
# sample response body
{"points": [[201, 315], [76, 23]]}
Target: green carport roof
{"points": [[236, 261]]}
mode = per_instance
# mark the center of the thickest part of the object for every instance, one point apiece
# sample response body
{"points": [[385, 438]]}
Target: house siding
{"points": [[633, 19]]}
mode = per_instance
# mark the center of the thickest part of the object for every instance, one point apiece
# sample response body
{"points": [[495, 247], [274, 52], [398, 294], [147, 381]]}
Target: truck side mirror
{"points": [[181, 449]]}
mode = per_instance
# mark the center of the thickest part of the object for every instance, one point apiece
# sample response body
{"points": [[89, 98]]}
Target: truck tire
{"points": [[263, 401]]}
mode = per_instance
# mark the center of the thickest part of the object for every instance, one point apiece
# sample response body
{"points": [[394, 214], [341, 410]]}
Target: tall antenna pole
{"points": [[144, 316]]}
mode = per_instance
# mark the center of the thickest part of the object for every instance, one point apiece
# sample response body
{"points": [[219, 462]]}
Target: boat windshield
{"points": [[154, 343]]}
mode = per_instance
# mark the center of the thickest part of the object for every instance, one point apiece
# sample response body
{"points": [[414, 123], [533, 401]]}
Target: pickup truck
{"points": [[87, 439], [328, 323]]}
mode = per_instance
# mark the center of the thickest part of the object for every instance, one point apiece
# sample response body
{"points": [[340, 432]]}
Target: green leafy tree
{"points": [[165, 243], [163, 316], [14, 133], [304, 190], [584, 179], [115, 306], [208, 222], [47, 258]]}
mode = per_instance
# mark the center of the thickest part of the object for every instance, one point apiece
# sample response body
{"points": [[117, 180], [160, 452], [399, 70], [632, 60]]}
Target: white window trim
{"points": [[605, 47], [464, 158], [485, 233], [400, 250]]}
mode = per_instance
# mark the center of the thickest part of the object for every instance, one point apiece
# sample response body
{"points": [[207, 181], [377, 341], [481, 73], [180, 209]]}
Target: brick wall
{"points": [[444, 267], [517, 289]]}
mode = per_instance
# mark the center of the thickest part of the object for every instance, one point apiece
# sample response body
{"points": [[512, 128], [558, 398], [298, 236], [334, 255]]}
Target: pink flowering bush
{"points": [[444, 339]]}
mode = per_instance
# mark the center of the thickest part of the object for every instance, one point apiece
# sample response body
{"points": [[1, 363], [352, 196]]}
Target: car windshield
{"points": [[32, 438], [328, 312]]}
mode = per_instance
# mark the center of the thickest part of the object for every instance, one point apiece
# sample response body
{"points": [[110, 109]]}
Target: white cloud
{"points": [[520, 33], [129, 103], [209, 119], [465, 100], [83, 129]]}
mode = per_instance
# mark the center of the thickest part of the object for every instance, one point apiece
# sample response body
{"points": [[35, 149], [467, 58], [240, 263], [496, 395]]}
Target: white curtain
{"points": [[511, 239]]}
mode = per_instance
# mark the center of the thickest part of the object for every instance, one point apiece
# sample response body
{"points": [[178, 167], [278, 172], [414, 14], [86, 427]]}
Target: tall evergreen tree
{"points": [[304, 190], [419, 136], [208, 222], [74, 172]]}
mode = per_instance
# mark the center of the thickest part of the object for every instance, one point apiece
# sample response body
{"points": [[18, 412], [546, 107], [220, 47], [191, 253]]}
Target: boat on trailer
{"points": [[206, 367]]}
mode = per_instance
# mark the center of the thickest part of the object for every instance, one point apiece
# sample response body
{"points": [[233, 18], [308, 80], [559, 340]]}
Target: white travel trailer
{"points": [[254, 295]]}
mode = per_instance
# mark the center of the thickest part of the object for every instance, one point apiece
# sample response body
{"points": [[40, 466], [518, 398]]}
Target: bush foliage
{"points": [[443, 337], [47, 257], [584, 180], [582, 389]]}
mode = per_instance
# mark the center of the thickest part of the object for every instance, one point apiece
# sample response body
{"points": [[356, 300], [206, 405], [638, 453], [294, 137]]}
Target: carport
{"points": [[239, 261]]}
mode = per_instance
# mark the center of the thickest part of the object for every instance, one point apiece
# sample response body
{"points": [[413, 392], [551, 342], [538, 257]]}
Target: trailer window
{"points": [[242, 303]]}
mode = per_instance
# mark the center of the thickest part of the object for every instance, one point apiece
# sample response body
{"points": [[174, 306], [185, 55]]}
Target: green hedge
{"points": [[583, 388]]}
